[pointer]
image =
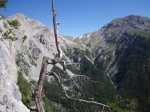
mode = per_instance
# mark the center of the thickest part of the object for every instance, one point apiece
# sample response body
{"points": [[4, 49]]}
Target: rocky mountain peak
{"points": [[128, 23]]}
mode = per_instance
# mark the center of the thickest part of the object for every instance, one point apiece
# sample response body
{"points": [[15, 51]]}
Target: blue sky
{"points": [[78, 16]]}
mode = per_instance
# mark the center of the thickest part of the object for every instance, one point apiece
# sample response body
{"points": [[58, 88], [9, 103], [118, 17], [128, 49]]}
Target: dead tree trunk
{"points": [[43, 72], [39, 89], [55, 27]]}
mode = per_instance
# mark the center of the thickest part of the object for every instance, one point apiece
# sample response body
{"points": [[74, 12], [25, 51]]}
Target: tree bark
{"points": [[39, 89]]}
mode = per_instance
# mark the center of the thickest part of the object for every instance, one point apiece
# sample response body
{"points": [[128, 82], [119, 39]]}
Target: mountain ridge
{"points": [[107, 61], [122, 52]]}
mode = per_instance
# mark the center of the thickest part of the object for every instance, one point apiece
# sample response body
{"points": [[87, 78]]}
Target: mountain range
{"points": [[110, 65]]}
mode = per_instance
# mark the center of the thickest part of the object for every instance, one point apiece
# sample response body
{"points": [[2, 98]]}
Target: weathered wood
{"points": [[39, 88], [55, 28]]}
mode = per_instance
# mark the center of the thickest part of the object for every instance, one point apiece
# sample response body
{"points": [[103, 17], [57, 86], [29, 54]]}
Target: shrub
{"points": [[47, 105], [24, 38], [14, 23], [9, 35], [118, 106]]}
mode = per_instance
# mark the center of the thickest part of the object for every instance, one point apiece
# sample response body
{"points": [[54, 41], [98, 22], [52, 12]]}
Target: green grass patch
{"points": [[25, 89]]}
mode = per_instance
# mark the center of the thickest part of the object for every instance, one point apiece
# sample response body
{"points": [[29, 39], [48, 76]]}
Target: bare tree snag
{"points": [[55, 27], [39, 89]]}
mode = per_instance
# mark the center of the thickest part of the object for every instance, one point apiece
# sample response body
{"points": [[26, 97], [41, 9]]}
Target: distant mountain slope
{"points": [[122, 51]]}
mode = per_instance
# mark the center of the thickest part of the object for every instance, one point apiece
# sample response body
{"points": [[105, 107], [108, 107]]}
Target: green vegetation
{"points": [[9, 35], [120, 105], [14, 23], [116, 107], [77, 52], [53, 93], [24, 38], [139, 33], [48, 105], [25, 89]]}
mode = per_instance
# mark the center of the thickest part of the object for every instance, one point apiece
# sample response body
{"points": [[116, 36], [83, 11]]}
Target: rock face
{"points": [[23, 43], [10, 97]]}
